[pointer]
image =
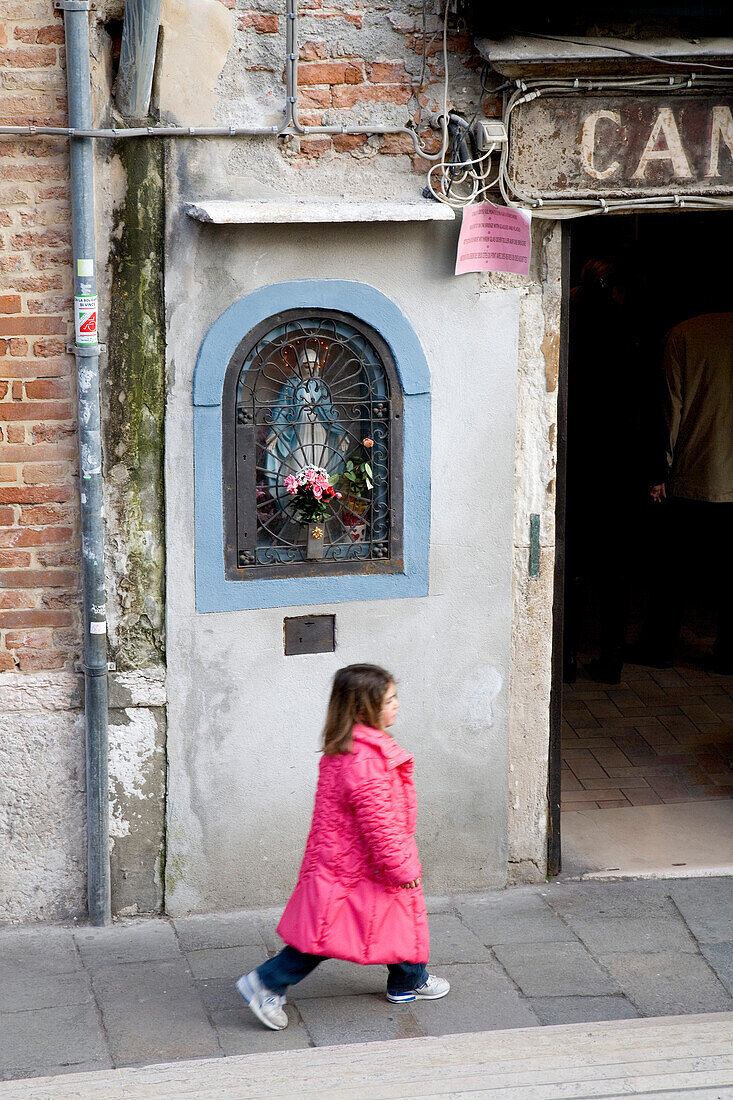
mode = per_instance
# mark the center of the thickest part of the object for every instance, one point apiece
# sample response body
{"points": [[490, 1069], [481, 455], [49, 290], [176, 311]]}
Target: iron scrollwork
{"points": [[313, 391]]}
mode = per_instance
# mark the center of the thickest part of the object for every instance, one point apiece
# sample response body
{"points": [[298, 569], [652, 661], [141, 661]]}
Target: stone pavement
{"points": [[660, 736], [155, 991]]}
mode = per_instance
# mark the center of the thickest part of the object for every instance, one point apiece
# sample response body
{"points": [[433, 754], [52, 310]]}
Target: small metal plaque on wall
{"points": [[309, 634]]}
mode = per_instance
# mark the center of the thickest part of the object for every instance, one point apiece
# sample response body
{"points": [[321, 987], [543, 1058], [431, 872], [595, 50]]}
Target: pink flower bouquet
{"points": [[312, 491]]}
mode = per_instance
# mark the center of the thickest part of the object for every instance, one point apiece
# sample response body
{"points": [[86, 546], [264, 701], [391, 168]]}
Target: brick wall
{"points": [[355, 57], [39, 526]]}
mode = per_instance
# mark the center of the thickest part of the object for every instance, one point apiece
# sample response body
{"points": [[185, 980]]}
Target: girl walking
{"points": [[359, 894]]}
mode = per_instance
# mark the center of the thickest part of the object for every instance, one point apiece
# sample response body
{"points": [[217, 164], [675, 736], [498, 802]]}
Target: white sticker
{"points": [[85, 317], [97, 628], [85, 268]]}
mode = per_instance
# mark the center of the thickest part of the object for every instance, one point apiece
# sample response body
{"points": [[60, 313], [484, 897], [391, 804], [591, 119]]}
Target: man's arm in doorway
{"points": [[668, 424], [673, 392]]}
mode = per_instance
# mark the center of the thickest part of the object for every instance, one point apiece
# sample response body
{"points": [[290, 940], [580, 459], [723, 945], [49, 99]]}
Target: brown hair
{"points": [[356, 696]]}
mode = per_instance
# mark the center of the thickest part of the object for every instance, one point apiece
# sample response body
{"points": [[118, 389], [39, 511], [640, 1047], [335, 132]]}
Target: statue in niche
{"points": [[305, 427]]}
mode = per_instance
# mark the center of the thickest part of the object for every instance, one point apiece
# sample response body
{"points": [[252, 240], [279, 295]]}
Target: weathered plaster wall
{"points": [[42, 794], [244, 719], [539, 344], [134, 405]]}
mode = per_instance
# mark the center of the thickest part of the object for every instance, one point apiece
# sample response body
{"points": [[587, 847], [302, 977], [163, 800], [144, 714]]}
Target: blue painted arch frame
{"points": [[213, 591]]}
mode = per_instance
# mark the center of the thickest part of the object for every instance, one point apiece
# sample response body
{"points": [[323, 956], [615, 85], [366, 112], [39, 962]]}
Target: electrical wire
{"points": [[487, 91], [459, 181], [631, 53], [562, 209], [425, 52], [444, 117], [475, 170], [444, 189]]}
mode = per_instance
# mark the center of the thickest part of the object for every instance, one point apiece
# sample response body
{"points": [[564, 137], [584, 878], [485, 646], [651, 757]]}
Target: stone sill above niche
{"points": [[290, 211]]}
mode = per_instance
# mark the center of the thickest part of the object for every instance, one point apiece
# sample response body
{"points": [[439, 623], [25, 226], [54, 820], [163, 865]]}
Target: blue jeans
{"points": [[291, 966]]}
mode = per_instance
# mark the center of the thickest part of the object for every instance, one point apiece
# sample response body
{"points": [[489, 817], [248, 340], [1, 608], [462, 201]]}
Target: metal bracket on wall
{"points": [[73, 5], [534, 545], [86, 349]]}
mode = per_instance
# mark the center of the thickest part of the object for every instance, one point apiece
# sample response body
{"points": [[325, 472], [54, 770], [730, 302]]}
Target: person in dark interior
{"points": [[609, 408], [696, 490]]}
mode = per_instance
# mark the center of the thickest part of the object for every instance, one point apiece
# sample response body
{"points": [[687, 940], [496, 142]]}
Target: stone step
{"points": [[663, 1057]]}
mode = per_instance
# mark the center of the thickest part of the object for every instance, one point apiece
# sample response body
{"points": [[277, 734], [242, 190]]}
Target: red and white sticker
{"points": [[85, 317]]}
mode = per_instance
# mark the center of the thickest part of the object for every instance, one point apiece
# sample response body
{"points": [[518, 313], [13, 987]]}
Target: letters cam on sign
{"points": [[494, 238]]}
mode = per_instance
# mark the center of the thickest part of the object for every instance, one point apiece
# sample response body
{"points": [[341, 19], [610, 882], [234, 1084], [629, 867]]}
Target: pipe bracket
{"points": [[88, 350], [94, 670], [72, 5]]}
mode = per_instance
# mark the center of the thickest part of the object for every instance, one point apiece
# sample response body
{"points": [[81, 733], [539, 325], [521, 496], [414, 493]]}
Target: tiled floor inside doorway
{"points": [[647, 779]]}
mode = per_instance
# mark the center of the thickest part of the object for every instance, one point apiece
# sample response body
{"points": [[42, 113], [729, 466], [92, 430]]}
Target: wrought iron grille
{"points": [[315, 391]]}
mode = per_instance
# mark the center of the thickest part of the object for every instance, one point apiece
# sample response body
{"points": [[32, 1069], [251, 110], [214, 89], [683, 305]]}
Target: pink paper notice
{"points": [[494, 238]]}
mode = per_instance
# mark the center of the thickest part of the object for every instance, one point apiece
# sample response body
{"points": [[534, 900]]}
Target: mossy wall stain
{"points": [[134, 386]]}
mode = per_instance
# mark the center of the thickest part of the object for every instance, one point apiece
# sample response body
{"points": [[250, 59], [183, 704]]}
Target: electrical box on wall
{"points": [[490, 132], [309, 634]]}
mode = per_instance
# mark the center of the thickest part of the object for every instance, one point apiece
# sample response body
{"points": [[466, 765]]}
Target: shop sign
{"points": [[622, 145]]}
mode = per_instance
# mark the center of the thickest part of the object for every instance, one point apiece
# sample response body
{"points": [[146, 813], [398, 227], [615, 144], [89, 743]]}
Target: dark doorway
{"points": [[660, 737]]}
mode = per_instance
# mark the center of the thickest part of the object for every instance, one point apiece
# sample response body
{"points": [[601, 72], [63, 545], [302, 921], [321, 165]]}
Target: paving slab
{"points": [[602, 935], [44, 948], [45, 1037], [609, 899], [332, 1021], [22, 988], [451, 941], [666, 983], [55, 1071], [578, 1010], [482, 998], [566, 969], [127, 942], [650, 840], [152, 1012], [720, 958], [707, 906], [440, 903], [336, 978], [218, 930], [225, 962], [240, 1033], [524, 917], [219, 994]]}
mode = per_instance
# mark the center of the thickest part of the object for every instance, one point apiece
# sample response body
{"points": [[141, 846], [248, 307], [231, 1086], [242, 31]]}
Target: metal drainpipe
{"points": [[86, 352]]}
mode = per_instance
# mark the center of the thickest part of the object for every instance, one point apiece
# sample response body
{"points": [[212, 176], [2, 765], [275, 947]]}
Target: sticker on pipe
{"points": [[85, 318]]}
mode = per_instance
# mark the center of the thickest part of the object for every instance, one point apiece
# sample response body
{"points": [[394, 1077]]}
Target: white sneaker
{"points": [[266, 1005], [431, 990]]}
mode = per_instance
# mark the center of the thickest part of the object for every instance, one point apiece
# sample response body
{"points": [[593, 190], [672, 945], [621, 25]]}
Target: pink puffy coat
{"points": [[361, 848]]}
